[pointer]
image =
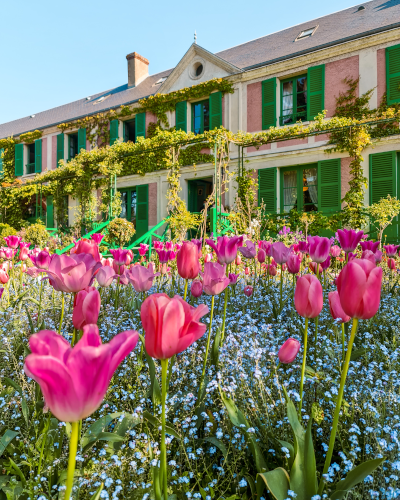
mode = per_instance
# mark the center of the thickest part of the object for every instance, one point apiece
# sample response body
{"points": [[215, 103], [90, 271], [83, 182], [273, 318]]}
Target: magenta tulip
{"points": [[391, 263], [226, 248], [391, 250], [75, 380], [359, 286], [335, 251], [197, 288], [304, 247], [198, 243], [1, 292], [249, 251], [163, 256], [97, 237], [72, 273], [141, 278], [349, 239], [169, 245], [293, 263], [370, 245], [261, 255], [120, 256], [271, 270], [368, 255], [233, 278], [41, 260], [12, 241], [378, 256], [319, 248], [248, 290], [266, 246], [308, 296], [86, 308], [280, 252], [214, 279], [85, 246], [171, 325], [187, 261], [143, 249], [326, 263], [288, 351], [105, 276], [336, 307]]}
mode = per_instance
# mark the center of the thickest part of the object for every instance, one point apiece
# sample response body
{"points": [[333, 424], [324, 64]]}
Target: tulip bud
{"points": [[23, 253], [335, 251], [261, 255], [391, 264], [105, 276], [197, 288], [86, 308], [272, 270], [288, 351], [3, 277], [187, 261], [238, 260], [233, 278], [247, 270], [207, 257], [293, 263], [308, 296], [248, 291]]}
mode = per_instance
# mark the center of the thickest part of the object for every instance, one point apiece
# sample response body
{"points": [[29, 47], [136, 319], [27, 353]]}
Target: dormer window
{"points": [[306, 33]]}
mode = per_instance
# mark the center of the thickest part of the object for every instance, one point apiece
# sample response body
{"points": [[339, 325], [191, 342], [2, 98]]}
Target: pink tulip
{"points": [[370, 245], [72, 273], [391, 250], [391, 263], [261, 255], [3, 277], [143, 249], [238, 260], [249, 251], [335, 251], [293, 263], [336, 307], [280, 252], [288, 351], [319, 248], [248, 290], [271, 270], [1, 292], [23, 253], [129, 257], [97, 237], [158, 245], [326, 263], [359, 286], [198, 243], [141, 278], [151, 267], [9, 253], [313, 267], [214, 279], [119, 270], [41, 260], [233, 278], [169, 246], [187, 261], [86, 246], [349, 239], [163, 256], [308, 296], [208, 257], [226, 248], [266, 246], [378, 256], [12, 241], [171, 325], [105, 276], [86, 308], [246, 271], [120, 256], [107, 262], [75, 380], [368, 255], [197, 288], [304, 247]]}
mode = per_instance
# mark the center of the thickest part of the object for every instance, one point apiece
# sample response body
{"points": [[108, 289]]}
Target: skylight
{"points": [[306, 33], [161, 80]]}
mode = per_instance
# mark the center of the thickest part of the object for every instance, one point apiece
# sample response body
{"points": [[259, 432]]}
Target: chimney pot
{"points": [[138, 69]]}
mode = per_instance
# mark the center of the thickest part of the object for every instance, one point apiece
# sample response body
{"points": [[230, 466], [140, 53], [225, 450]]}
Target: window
{"points": [[72, 145], [293, 100], [129, 131], [201, 117], [299, 189], [30, 166], [128, 204], [306, 33]]}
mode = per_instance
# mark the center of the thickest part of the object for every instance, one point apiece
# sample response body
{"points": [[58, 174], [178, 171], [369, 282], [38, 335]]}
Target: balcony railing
{"points": [[292, 118], [30, 168]]}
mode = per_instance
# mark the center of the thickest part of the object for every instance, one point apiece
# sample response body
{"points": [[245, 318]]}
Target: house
{"points": [[278, 79]]}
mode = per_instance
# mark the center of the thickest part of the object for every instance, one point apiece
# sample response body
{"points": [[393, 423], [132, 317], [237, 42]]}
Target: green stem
{"points": [[316, 329], [164, 374], [338, 405], [40, 302], [303, 367], [62, 313], [73, 448], [207, 349], [185, 292], [343, 342], [224, 318], [73, 342], [280, 304], [20, 273], [43, 443]]}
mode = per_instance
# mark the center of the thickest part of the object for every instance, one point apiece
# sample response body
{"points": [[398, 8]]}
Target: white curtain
{"points": [[290, 189], [311, 177]]}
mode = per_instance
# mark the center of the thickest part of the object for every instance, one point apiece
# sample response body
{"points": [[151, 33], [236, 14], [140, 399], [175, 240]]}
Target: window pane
{"points": [[287, 88], [302, 84], [206, 113], [124, 205], [290, 199], [287, 104], [310, 190], [31, 153], [133, 207], [290, 179], [301, 102], [197, 108]]}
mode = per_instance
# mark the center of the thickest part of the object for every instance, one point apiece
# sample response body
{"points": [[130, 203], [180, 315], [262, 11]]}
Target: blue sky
{"points": [[54, 52]]}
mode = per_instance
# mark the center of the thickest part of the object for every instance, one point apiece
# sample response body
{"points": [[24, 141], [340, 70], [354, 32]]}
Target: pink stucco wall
{"points": [[292, 142], [153, 204], [261, 148], [322, 137], [150, 118], [345, 176], [254, 107], [87, 145], [381, 63], [335, 73], [44, 154], [54, 152]]}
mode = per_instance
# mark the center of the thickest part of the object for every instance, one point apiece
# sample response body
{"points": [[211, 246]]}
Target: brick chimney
{"points": [[138, 69]]}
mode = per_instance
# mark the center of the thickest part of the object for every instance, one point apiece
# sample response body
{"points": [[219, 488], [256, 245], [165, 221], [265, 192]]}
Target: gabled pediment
{"points": [[196, 66]]}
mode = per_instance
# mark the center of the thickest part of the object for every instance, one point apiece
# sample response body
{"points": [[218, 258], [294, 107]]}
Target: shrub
{"points": [[120, 232], [37, 234], [6, 230]]}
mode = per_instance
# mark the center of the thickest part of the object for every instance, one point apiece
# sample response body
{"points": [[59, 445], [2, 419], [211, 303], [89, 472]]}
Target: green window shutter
{"points": [[81, 139], [329, 186], [60, 147], [267, 189], [1, 162], [49, 212], [382, 175], [38, 156], [142, 210], [215, 110], [140, 123], [19, 160], [114, 125], [180, 116], [268, 95], [393, 74], [316, 91]]}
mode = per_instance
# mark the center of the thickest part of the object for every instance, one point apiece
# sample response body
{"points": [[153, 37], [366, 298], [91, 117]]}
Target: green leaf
{"points": [[92, 433], [154, 421], [355, 476], [357, 354], [121, 428], [238, 420], [18, 471], [96, 495], [154, 385], [32, 328], [277, 482], [289, 446], [215, 347], [219, 444], [25, 410], [297, 472], [309, 460], [6, 439]]}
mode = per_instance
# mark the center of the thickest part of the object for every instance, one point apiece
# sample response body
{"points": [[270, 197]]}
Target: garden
{"points": [[236, 367]]}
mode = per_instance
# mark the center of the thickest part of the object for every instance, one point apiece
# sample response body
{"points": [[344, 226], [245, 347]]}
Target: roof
{"points": [[339, 27]]}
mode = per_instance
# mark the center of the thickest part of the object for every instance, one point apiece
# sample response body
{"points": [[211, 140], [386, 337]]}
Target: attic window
{"points": [[306, 33], [161, 80]]}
